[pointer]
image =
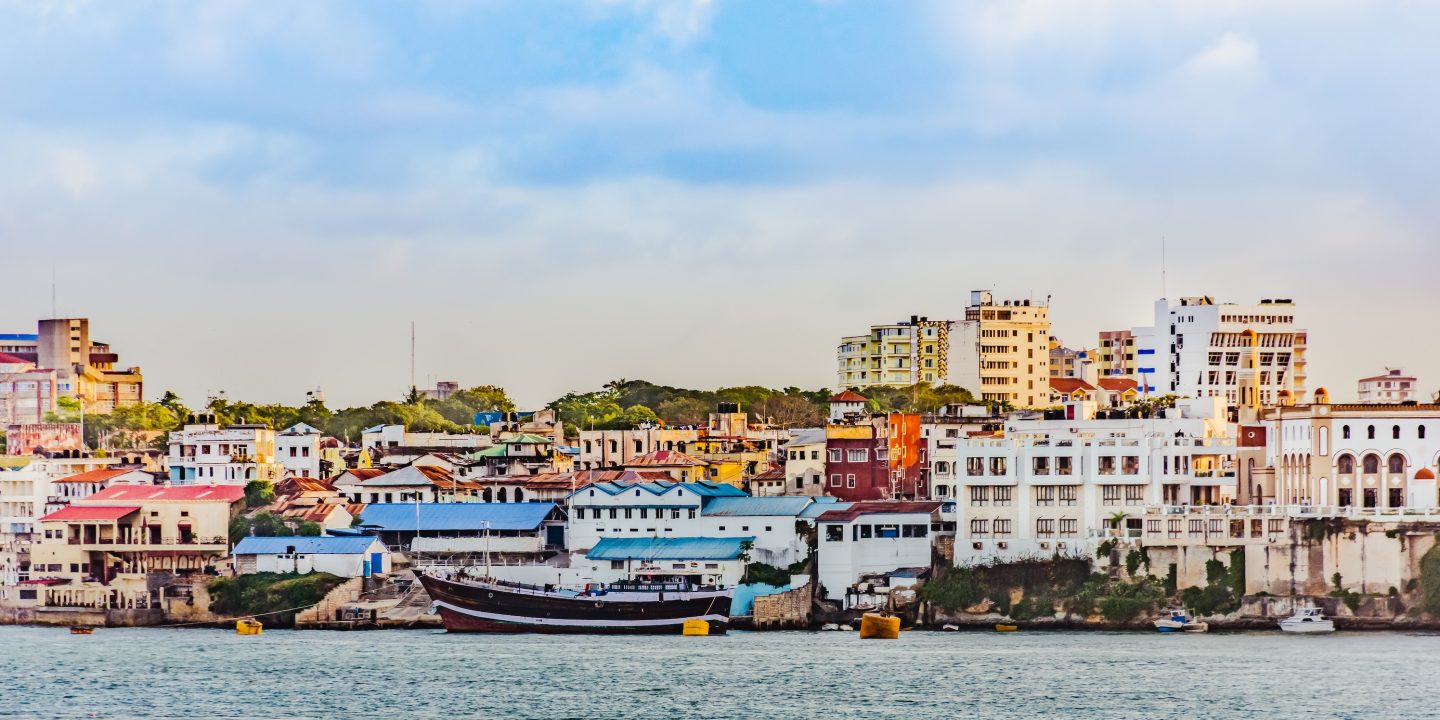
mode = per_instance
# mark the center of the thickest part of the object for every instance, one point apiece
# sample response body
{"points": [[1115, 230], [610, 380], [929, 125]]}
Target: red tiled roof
{"points": [[96, 476], [8, 359], [849, 396], [364, 473], [1070, 385], [665, 458], [876, 508], [1115, 384], [90, 513], [180, 493]]}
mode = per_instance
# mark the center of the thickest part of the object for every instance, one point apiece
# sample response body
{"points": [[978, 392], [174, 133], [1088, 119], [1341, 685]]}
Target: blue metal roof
{"points": [[823, 504], [400, 517], [321, 545], [732, 506], [18, 336], [668, 548]]}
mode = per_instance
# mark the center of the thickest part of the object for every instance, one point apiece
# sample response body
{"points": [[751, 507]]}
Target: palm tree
{"points": [[1117, 522]]}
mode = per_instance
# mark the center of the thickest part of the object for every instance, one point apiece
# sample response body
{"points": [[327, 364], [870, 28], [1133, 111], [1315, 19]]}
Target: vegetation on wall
{"points": [[263, 593], [1430, 579], [268, 524]]}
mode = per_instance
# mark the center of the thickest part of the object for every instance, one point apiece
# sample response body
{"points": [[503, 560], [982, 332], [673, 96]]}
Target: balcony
{"points": [[136, 545]]}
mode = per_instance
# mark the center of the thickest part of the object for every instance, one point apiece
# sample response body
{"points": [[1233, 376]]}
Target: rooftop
{"points": [[665, 458], [877, 508], [785, 505], [303, 545], [154, 493], [669, 548], [75, 513], [455, 516], [702, 488], [98, 476], [849, 396]]}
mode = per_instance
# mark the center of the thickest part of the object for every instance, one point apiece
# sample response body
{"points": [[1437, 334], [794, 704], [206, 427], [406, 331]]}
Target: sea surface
{"points": [[194, 673]]}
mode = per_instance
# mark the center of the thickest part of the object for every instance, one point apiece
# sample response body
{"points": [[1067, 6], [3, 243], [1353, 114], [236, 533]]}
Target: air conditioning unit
{"points": [[1044, 546], [1002, 545], [977, 546], [1059, 546]]}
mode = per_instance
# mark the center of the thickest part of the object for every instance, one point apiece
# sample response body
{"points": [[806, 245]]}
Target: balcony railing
{"points": [[132, 542]]}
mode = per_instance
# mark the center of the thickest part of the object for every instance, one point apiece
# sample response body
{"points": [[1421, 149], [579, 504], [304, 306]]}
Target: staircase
{"points": [[324, 611]]}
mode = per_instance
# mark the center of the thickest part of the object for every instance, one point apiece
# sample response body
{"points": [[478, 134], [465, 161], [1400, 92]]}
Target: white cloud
{"points": [[1233, 54]]}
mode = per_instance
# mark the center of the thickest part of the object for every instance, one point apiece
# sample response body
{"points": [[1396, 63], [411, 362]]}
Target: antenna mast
{"points": [[412, 355]]}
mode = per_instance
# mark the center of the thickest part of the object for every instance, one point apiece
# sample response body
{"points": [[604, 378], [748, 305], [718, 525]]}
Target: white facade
{"points": [[1202, 349], [229, 455], [870, 543], [805, 463], [1371, 457], [1051, 486], [634, 512], [346, 565], [1393, 387], [297, 449]]}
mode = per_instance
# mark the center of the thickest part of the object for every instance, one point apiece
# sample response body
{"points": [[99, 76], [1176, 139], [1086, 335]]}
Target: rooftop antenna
{"points": [[1164, 285], [412, 356]]}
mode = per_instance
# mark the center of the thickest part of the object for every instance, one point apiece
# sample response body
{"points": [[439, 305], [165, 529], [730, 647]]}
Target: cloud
{"points": [[1233, 54]]}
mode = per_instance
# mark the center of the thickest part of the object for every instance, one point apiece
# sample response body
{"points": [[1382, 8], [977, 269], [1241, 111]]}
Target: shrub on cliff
{"points": [[1430, 579], [956, 589], [264, 593]]}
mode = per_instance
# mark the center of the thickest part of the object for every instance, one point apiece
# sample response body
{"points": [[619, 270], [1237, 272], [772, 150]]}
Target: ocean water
{"points": [[193, 673]]}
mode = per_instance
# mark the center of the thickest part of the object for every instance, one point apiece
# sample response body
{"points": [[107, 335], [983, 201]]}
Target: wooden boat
{"points": [[81, 630], [248, 626], [482, 604], [1002, 627], [879, 627]]}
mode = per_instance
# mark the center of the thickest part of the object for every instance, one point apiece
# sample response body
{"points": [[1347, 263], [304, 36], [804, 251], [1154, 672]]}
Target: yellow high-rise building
{"points": [[896, 355], [1007, 350]]}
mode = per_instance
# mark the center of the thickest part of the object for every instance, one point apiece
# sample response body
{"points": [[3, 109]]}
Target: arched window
{"points": [[500, 495], [1397, 464], [1347, 465], [489, 497], [1395, 432], [519, 495], [1370, 432], [1371, 464], [1345, 432]]}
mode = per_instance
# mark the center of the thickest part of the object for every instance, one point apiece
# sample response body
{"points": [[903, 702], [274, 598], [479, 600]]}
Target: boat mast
{"points": [[487, 549]]}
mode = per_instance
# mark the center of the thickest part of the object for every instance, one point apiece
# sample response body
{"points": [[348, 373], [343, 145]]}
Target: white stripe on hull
{"points": [[562, 622]]}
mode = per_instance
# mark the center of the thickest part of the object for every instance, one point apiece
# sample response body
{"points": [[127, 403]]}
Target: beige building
{"points": [[1116, 354], [84, 368], [1392, 387], [1005, 356], [896, 355]]}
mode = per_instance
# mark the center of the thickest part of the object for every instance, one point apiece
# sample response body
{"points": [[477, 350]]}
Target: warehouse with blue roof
{"points": [[345, 556]]}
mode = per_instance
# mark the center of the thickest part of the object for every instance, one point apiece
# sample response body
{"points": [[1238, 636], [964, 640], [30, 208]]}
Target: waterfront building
{"points": [[297, 448], [1245, 354], [899, 354], [204, 451], [1053, 485], [85, 369], [706, 561], [343, 556], [1004, 350], [511, 532], [624, 509], [873, 538], [1392, 388]]}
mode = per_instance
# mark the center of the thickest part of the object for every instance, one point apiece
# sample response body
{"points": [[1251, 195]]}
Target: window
{"points": [[1346, 465], [834, 454], [1421, 430], [1130, 465], [834, 533], [1045, 495], [1045, 527], [1068, 527], [979, 527], [1107, 465], [1370, 432], [1395, 432], [1063, 465], [628, 513], [1002, 495], [1002, 528], [979, 495], [613, 513], [1345, 432], [1371, 464], [850, 481], [974, 466], [857, 456], [864, 532], [617, 564], [1040, 466], [1109, 494], [997, 466], [1397, 464], [1068, 493], [1134, 494]]}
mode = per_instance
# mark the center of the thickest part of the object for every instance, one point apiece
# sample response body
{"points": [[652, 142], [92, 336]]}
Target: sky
{"points": [[261, 197]]}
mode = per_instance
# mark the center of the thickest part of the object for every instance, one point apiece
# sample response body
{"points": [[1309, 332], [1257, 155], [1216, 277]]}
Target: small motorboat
{"points": [[81, 630], [1307, 620], [1181, 621], [248, 626], [1003, 627]]}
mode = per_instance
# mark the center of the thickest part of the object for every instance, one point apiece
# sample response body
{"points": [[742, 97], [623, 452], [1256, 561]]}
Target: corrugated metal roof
{"points": [[704, 489], [321, 545], [808, 436], [822, 505], [82, 512], [456, 516], [668, 548], [178, 493], [18, 336], [876, 507], [790, 506]]}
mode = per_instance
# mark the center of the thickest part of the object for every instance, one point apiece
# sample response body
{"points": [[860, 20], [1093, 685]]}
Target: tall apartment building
{"points": [[1246, 354], [84, 368], [1392, 387], [27, 393], [896, 355], [1116, 354], [1004, 352]]}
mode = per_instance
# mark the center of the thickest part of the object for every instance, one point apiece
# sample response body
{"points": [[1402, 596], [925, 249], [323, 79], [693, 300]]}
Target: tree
{"points": [[684, 411], [259, 493], [791, 411], [635, 416], [586, 411]]}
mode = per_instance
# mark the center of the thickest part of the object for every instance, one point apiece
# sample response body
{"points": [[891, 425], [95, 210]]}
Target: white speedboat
{"points": [[1180, 621], [1307, 620]]}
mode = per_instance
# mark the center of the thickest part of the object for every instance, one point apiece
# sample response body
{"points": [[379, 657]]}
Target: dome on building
{"points": [[1424, 474]]}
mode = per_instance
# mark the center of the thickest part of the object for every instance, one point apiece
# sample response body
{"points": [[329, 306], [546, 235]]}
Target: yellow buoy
{"points": [[248, 626], [1002, 627], [879, 626], [695, 626]]}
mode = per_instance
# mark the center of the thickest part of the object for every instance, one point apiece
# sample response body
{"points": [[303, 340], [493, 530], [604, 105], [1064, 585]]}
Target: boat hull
{"points": [[1308, 628], [465, 607]]}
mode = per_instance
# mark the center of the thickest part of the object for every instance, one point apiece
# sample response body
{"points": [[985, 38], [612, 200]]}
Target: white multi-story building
{"points": [[1249, 355], [1393, 387], [1050, 486], [297, 448], [872, 538], [204, 453], [805, 463]]}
